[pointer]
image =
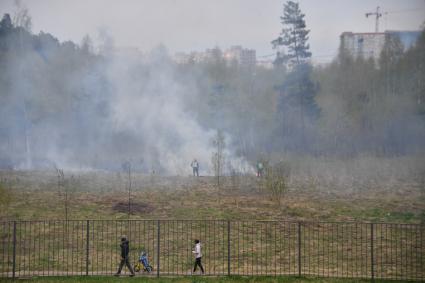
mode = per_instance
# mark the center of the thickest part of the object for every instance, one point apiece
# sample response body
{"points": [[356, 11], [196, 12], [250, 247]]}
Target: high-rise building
{"points": [[181, 58], [366, 45], [243, 56], [237, 54], [370, 45]]}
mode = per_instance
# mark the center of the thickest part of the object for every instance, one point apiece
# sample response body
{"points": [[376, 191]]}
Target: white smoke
{"points": [[150, 102]]}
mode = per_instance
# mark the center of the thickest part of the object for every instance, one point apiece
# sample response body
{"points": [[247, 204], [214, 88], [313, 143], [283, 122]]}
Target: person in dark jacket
{"points": [[125, 249]]}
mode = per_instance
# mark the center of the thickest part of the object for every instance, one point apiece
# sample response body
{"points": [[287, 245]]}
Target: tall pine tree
{"points": [[293, 37], [297, 106]]}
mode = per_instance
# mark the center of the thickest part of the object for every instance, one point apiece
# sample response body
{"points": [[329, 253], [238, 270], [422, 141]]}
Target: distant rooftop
{"points": [[362, 33]]}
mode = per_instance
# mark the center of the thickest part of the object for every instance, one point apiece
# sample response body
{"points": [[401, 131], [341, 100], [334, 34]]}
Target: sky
{"points": [[195, 25]]}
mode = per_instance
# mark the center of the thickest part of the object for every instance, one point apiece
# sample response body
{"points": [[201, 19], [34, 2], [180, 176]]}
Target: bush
{"points": [[275, 180]]}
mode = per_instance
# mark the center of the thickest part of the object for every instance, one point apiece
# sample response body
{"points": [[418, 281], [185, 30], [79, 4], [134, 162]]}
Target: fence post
{"points": [[299, 249], [421, 228], [158, 246], [228, 247], [371, 253], [14, 250], [87, 246]]}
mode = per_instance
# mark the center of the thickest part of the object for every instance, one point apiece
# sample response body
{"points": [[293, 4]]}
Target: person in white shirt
{"points": [[198, 256], [195, 167]]}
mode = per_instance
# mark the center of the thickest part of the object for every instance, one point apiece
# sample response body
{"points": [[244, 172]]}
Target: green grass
{"points": [[194, 279]]}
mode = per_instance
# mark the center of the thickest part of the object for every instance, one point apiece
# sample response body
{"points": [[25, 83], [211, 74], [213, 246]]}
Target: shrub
{"points": [[275, 181]]}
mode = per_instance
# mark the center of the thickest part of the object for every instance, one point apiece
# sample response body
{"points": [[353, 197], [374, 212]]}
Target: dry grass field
{"points": [[347, 195], [36, 195]]}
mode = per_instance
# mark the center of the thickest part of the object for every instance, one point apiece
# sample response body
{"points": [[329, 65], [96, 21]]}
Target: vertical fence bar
{"points": [[350, 246], [14, 251], [158, 247], [228, 247], [87, 246], [372, 269], [421, 227], [299, 249]]}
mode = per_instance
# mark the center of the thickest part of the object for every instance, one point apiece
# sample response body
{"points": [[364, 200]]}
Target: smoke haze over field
{"points": [[152, 106], [96, 106], [77, 110]]}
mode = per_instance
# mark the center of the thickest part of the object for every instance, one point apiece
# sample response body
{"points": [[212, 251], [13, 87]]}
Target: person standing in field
{"points": [[195, 167], [125, 250], [260, 169], [198, 256]]}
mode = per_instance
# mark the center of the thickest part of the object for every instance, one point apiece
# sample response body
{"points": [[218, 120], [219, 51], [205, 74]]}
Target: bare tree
{"points": [[22, 17], [126, 166], [63, 189], [235, 179], [22, 20], [218, 157]]}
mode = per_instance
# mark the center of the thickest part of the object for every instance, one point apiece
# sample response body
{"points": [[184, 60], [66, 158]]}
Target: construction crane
{"points": [[377, 14]]}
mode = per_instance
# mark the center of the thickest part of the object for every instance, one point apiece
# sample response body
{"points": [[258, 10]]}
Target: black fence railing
{"points": [[326, 249]]}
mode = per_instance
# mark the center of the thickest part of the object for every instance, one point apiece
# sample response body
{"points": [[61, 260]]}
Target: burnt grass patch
{"points": [[135, 207]]}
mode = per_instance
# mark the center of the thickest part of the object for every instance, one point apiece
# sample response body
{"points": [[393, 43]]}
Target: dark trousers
{"points": [[195, 171], [198, 263], [126, 262]]}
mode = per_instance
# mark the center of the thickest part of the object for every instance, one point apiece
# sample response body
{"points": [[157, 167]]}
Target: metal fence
{"points": [[326, 249]]}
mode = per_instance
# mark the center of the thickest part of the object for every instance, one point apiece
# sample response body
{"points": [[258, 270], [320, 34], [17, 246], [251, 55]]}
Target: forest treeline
{"points": [[59, 99]]}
